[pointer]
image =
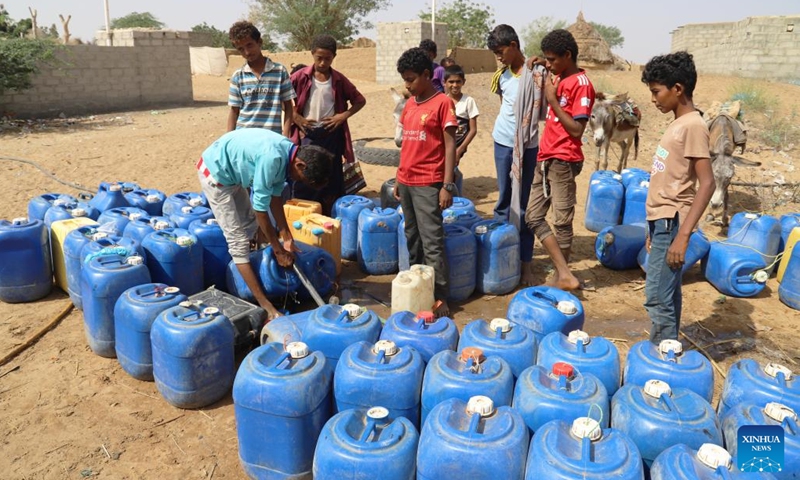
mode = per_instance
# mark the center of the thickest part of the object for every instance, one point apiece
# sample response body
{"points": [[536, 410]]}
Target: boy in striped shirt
{"points": [[261, 89]]}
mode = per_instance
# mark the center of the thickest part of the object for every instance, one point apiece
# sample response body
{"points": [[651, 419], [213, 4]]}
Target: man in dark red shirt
{"points": [[570, 96], [321, 114]]}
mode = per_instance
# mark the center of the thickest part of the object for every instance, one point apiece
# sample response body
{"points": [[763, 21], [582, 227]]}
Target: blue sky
{"points": [[645, 26]]}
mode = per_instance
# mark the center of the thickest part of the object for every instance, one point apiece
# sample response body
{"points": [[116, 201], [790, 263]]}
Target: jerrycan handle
{"points": [[85, 196], [474, 422], [281, 362], [343, 317], [586, 449], [425, 318], [666, 400], [369, 428], [790, 424], [546, 297]]}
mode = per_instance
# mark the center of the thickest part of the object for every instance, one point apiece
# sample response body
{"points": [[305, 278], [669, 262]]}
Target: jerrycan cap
{"points": [[644, 183], [160, 225], [386, 346], [115, 188], [576, 335], [403, 278], [585, 427], [449, 219], [195, 201], [19, 220], [426, 317], [714, 456], [78, 212], [778, 412], [212, 221], [502, 323], [378, 413], [134, 260], [60, 202], [473, 353], [670, 344], [186, 304], [656, 388], [772, 369], [135, 215], [563, 368], [98, 235], [617, 177], [483, 406], [186, 209], [211, 311], [172, 290], [184, 241], [751, 216], [352, 310], [567, 307], [761, 276], [152, 198], [481, 229], [296, 349], [297, 224]]}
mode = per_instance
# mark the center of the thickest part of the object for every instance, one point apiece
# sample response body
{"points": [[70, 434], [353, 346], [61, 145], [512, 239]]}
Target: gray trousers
{"points": [[424, 232], [232, 209]]}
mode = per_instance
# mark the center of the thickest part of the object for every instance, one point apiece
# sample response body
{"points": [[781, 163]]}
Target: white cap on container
{"points": [[772, 370], [297, 349], [617, 176], [585, 427], [134, 260], [656, 388], [576, 335], [184, 241], [481, 229], [714, 456], [212, 221], [503, 324], [751, 216], [152, 198], [160, 225], [760, 276], [78, 212], [186, 209], [403, 277], [670, 344], [186, 304], [60, 202], [449, 219], [645, 183], [135, 215], [483, 406], [20, 220], [115, 188], [172, 290], [386, 346], [98, 235], [352, 310], [211, 311], [195, 201], [377, 413], [778, 411], [567, 307]]}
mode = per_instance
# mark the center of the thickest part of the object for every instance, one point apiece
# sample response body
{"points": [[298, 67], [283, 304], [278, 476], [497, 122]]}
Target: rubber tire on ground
{"points": [[387, 157]]}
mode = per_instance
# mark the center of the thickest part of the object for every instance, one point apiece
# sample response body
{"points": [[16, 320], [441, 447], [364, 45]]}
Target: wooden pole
{"points": [[65, 26], [108, 24], [35, 28]]}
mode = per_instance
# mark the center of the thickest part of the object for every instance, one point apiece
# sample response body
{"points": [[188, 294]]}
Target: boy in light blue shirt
{"points": [[261, 159]]}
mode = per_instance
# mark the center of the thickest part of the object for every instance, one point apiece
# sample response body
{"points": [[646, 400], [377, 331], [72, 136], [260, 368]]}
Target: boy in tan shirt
{"points": [[674, 206]]}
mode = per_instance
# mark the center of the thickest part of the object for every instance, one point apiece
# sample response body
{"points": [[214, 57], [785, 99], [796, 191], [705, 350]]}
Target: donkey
{"points": [[609, 124], [400, 100], [723, 163]]}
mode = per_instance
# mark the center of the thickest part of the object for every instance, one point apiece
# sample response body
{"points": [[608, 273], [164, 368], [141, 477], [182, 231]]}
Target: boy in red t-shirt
{"points": [[570, 96], [427, 162]]}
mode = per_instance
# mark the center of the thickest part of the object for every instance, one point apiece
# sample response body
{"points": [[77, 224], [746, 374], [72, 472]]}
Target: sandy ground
{"points": [[68, 413]]}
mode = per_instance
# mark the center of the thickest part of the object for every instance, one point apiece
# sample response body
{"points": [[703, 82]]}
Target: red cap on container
{"points": [[562, 368], [427, 317], [471, 352]]}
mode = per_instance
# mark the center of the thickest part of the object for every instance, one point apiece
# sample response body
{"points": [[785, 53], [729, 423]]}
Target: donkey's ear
{"points": [[600, 96], [396, 96]]}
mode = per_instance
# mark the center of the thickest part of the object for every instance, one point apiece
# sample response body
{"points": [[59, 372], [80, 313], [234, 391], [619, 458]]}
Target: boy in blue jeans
{"points": [[673, 205], [427, 162], [504, 42], [261, 89]]}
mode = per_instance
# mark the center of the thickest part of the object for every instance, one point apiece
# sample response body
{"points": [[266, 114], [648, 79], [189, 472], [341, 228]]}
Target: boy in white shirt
{"points": [[466, 114]]}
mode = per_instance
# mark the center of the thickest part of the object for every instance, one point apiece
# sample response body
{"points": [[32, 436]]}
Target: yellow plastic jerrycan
{"points": [[296, 208], [58, 233], [794, 237], [320, 231]]}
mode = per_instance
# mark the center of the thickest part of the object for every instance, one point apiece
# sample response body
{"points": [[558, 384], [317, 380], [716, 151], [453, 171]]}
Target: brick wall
{"points": [[396, 37], [755, 47], [94, 79]]}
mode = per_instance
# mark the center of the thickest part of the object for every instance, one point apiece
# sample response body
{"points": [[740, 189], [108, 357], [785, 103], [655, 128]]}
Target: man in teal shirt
{"points": [[262, 160]]}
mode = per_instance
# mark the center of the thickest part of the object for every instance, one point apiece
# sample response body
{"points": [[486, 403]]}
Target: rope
{"points": [[729, 241], [76, 186]]}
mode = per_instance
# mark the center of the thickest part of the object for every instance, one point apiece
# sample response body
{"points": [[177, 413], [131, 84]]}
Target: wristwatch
{"points": [[450, 187]]}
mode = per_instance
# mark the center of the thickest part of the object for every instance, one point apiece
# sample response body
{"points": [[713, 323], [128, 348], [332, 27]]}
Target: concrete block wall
{"points": [[755, 47], [93, 79], [132, 37], [394, 38]]}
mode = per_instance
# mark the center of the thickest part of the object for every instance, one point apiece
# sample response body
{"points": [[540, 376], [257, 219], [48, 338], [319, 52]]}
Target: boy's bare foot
{"points": [[441, 309], [527, 278], [566, 283]]}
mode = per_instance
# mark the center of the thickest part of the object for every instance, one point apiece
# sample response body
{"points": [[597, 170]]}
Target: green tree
{"points": [[302, 20], [218, 37], [137, 20], [612, 35], [467, 22], [534, 32], [9, 28], [20, 59]]}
